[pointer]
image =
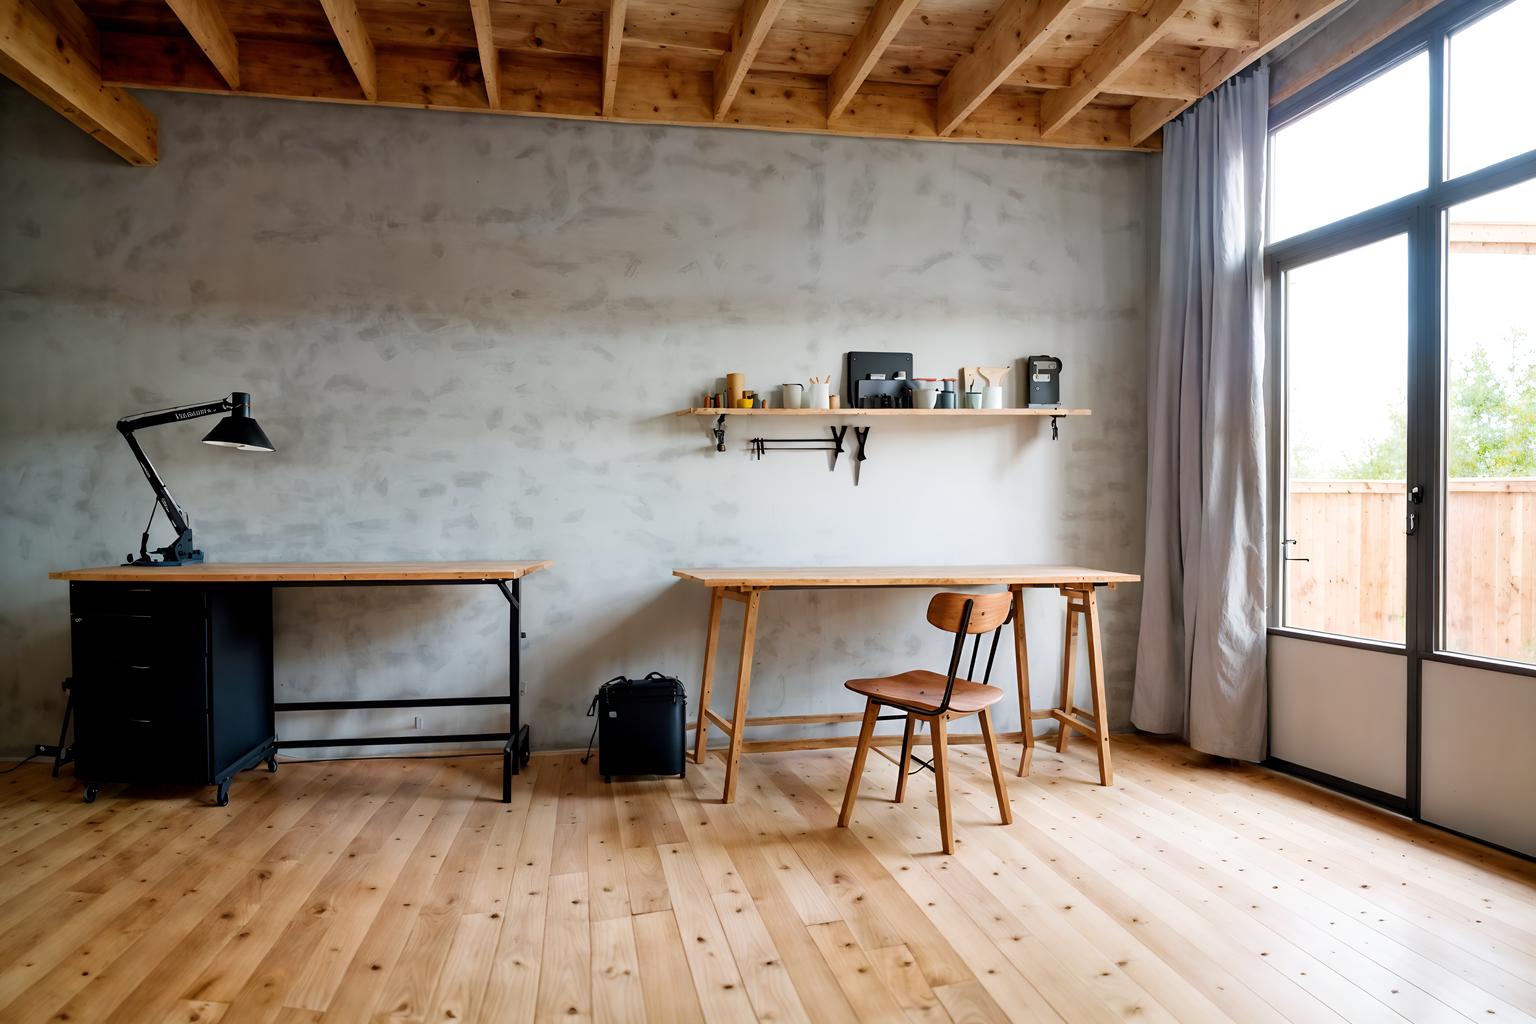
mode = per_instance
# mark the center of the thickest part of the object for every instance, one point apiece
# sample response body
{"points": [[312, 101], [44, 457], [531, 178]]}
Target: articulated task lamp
{"points": [[236, 430]]}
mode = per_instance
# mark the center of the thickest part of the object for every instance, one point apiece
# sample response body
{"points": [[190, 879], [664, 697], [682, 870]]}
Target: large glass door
{"points": [[1401, 264]]}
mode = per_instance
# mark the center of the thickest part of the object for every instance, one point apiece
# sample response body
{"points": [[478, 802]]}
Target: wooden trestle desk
{"points": [[747, 586], [173, 667]]}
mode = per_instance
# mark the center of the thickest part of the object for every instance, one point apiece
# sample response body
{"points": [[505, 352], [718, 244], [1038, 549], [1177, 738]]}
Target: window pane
{"points": [[1346, 369], [1490, 517], [1360, 150], [1489, 117]]}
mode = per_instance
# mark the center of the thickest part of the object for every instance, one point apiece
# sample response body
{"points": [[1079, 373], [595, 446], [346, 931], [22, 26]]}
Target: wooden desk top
{"points": [[304, 572], [904, 576]]}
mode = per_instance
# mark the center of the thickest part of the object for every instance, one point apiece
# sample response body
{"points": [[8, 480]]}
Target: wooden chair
{"points": [[929, 697]]}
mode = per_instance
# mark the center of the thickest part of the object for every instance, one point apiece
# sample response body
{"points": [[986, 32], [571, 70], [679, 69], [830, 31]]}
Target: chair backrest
{"points": [[988, 611], [968, 615]]}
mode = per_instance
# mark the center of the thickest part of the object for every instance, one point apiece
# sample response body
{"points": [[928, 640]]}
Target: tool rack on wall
{"points": [[760, 446], [720, 415]]}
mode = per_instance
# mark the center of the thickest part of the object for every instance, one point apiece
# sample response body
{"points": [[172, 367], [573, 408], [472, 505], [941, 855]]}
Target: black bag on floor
{"points": [[640, 726]]}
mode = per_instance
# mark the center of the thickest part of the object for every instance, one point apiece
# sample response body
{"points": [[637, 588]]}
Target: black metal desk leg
{"points": [[519, 743]]}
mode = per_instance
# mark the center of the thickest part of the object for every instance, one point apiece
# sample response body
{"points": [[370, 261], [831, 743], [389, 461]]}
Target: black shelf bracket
{"points": [[1055, 434]]}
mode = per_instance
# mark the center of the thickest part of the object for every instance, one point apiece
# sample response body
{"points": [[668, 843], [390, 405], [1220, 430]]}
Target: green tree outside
{"points": [[1492, 425]]}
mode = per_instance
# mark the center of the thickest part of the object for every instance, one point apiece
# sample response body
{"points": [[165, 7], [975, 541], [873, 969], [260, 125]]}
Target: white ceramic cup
{"points": [[992, 396], [790, 395], [924, 398], [820, 397]]}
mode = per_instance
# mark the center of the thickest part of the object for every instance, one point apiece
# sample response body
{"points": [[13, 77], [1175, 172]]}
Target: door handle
{"points": [[1290, 558], [1415, 498]]}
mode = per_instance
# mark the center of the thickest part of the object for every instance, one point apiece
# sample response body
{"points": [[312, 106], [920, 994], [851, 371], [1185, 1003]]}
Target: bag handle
{"points": [[592, 712]]}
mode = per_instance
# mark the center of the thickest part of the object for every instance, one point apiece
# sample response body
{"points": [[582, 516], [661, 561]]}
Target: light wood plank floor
{"points": [[402, 889]]}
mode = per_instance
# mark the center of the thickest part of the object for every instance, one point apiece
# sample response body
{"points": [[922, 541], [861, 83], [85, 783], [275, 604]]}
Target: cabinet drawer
{"points": [[141, 748], [141, 663], [173, 599]]}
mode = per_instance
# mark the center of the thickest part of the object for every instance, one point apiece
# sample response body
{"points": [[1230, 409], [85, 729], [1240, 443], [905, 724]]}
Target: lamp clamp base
{"points": [[178, 552]]}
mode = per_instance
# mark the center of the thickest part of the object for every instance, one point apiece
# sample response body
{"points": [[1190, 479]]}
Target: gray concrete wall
{"points": [[466, 336]]}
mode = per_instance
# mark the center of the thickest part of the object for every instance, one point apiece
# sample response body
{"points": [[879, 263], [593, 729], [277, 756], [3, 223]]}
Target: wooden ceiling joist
{"points": [[423, 79], [868, 46], [613, 43], [485, 42], [353, 37], [747, 36], [1019, 30], [1279, 20], [1102, 74], [1124, 46], [1149, 115], [205, 23], [51, 49]]}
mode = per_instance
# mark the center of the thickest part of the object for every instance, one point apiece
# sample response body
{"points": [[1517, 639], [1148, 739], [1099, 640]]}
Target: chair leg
{"points": [[940, 727], [866, 730], [906, 757], [1004, 809]]}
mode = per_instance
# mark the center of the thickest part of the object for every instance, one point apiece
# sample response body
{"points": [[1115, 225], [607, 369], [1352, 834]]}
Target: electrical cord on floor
{"points": [[18, 764]]}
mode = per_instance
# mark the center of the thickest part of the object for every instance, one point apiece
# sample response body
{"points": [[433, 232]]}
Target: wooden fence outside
{"points": [[1354, 582]]}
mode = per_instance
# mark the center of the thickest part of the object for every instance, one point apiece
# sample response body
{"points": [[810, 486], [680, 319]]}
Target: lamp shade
{"points": [[242, 432]]}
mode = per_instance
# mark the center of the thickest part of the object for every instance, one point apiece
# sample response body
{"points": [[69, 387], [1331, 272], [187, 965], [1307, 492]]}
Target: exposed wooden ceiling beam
{"points": [[1123, 47], [747, 35], [205, 23], [613, 42], [1279, 20], [50, 49], [353, 37], [1148, 115], [485, 40], [435, 79], [1020, 28], [884, 22]]}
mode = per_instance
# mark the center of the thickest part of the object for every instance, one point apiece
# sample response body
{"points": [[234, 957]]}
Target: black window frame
{"points": [[1422, 216]]}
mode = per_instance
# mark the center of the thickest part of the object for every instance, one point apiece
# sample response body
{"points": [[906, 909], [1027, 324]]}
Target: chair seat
{"points": [[923, 689]]}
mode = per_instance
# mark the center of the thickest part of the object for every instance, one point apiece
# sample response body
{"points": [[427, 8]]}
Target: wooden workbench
{"points": [[159, 604], [306, 572], [1078, 585]]}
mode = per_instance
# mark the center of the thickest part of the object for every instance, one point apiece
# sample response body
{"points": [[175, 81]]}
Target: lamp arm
{"points": [[128, 424]]}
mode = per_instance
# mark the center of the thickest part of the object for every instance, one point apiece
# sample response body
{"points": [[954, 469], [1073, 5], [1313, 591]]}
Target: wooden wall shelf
{"points": [[919, 413]]}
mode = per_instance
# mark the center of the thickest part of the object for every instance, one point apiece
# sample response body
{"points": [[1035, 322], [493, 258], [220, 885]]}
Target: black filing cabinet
{"points": [[172, 682]]}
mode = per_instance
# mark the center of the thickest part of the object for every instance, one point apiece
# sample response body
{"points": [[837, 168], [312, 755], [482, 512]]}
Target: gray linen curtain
{"points": [[1200, 659]]}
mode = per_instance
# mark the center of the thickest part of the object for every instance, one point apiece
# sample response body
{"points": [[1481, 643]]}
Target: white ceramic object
{"points": [[790, 395], [820, 397], [924, 398], [992, 396]]}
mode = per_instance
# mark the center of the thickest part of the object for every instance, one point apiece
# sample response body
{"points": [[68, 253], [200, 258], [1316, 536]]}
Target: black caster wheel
{"points": [[221, 798], [91, 793], [272, 765]]}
